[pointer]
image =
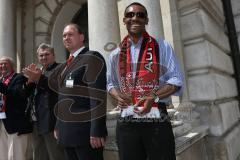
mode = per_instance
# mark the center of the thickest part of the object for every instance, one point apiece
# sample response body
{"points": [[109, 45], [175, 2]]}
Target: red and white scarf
{"points": [[147, 73], [6, 81]]}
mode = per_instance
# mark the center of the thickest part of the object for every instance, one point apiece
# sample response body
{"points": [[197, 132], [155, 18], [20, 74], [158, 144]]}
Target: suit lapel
{"points": [[68, 69]]}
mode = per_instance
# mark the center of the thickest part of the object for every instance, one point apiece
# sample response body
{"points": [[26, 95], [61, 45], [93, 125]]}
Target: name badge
{"points": [[2, 114], [69, 83]]}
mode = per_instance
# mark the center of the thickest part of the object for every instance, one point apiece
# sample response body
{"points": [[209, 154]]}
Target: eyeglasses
{"points": [[138, 14]]}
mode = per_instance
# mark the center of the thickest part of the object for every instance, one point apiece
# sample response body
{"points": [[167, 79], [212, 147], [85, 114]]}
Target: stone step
{"points": [[186, 140], [181, 129]]}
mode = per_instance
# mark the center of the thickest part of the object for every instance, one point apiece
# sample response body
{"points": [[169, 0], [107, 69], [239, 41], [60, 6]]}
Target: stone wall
{"points": [[209, 67]]}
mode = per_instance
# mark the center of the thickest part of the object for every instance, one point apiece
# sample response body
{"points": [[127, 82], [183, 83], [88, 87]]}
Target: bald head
{"points": [[6, 66]]}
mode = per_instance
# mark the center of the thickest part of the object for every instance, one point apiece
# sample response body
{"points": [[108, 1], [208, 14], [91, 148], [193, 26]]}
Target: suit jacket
{"points": [[45, 100], [17, 121], [81, 109]]}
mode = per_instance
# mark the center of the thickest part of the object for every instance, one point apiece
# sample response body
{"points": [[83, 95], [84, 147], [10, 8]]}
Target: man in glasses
{"points": [[143, 73]]}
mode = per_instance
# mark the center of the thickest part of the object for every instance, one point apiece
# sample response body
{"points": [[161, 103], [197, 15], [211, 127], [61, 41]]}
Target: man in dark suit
{"points": [[81, 108], [81, 123], [43, 101], [15, 124]]}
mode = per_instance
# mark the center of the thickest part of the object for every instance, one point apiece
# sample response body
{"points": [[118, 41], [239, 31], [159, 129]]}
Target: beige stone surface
{"points": [[235, 6], [213, 86], [212, 7], [203, 54], [182, 4], [219, 117], [28, 34], [7, 29], [196, 152], [225, 148], [41, 26], [51, 4], [38, 1], [41, 39], [232, 142], [237, 22], [103, 25], [223, 117], [229, 113], [199, 24], [41, 11], [218, 4]]}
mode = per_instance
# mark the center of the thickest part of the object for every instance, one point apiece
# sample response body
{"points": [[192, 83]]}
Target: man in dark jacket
{"points": [[15, 124], [43, 101], [81, 109]]}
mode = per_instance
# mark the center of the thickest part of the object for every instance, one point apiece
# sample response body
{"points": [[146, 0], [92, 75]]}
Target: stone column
{"points": [[104, 33], [103, 27], [155, 25], [7, 28]]}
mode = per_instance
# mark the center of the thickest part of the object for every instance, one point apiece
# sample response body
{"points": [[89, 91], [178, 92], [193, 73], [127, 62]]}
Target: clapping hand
{"points": [[32, 72]]}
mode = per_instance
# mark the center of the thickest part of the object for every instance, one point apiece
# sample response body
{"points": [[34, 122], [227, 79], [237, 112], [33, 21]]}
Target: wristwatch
{"points": [[155, 97]]}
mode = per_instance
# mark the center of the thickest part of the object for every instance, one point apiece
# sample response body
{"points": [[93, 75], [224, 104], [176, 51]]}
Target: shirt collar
{"points": [[75, 54], [49, 67], [139, 43]]}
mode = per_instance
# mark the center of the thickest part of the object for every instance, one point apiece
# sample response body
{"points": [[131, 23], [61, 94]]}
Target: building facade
{"points": [[206, 125]]}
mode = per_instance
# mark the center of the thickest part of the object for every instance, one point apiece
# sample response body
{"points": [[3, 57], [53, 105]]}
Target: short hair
{"points": [[79, 29], [9, 59], [45, 46], [136, 3]]}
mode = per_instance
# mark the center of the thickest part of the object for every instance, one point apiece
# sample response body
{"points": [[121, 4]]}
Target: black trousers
{"points": [[83, 153], [145, 140]]}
